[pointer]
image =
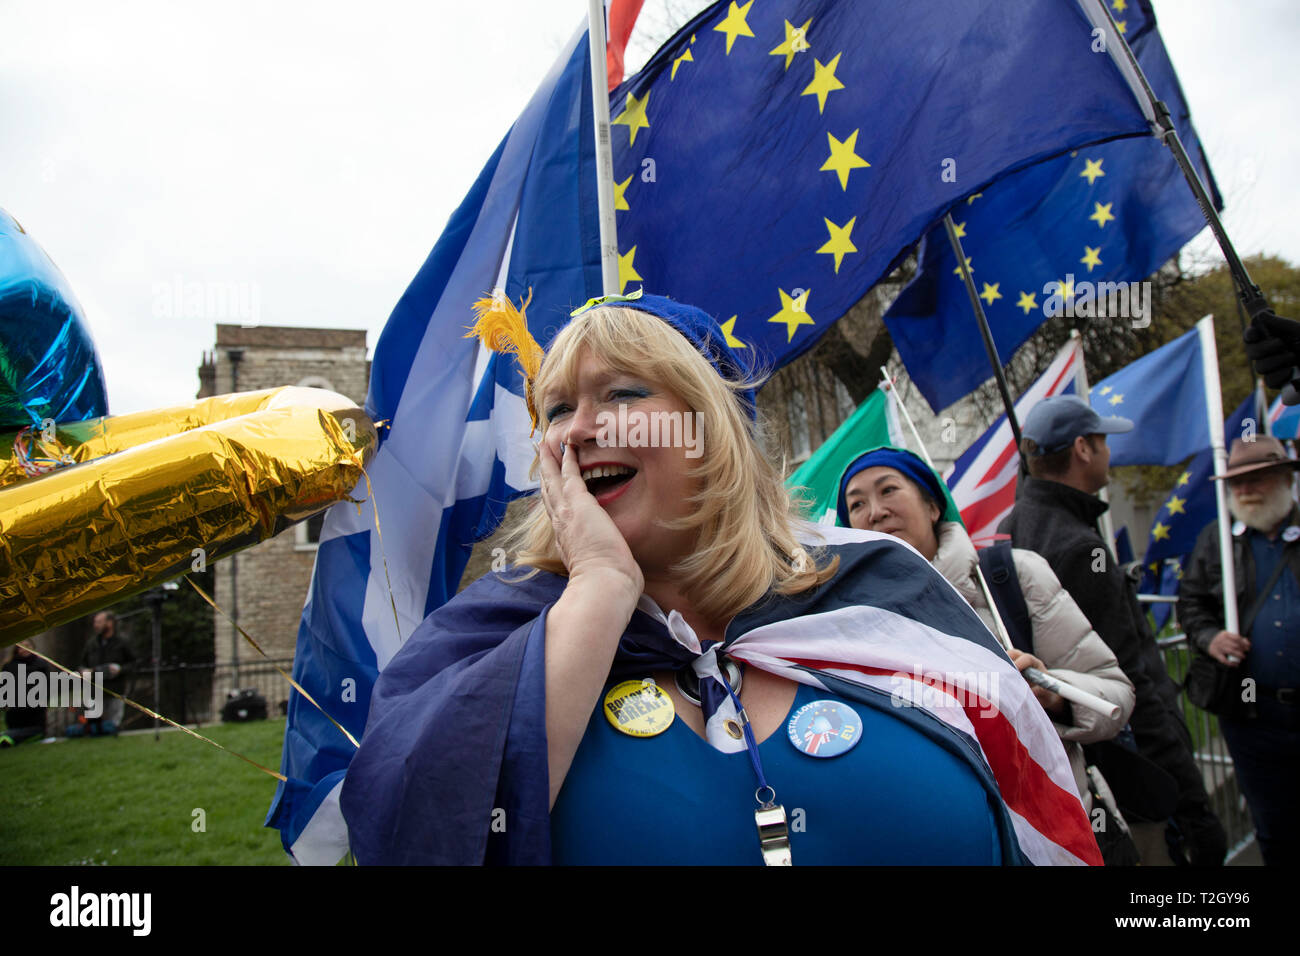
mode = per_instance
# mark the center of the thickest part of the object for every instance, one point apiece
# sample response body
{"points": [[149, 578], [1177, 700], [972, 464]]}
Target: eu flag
{"points": [[1163, 393], [773, 160], [1104, 214]]}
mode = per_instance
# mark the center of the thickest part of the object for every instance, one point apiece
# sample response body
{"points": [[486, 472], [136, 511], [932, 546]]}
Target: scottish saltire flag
{"points": [[1163, 394], [460, 726], [1190, 506], [774, 159], [873, 423], [983, 479], [1054, 239], [457, 448], [1283, 420]]}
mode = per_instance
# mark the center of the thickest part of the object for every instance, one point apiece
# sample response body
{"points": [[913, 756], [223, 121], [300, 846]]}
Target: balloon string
{"points": [[145, 710], [296, 686]]}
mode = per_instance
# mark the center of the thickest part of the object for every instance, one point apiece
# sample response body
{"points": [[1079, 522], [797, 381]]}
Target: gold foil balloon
{"points": [[152, 494]]}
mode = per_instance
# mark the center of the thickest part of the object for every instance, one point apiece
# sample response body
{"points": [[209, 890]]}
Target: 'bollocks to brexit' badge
{"points": [[825, 728], [639, 708]]}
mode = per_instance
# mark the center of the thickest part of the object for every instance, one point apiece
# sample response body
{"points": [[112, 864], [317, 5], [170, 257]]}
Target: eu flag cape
{"points": [[458, 721]]}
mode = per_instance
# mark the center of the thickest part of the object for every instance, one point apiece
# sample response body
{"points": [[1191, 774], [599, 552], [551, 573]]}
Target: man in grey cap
{"points": [[1262, 732], [1056, 514]]}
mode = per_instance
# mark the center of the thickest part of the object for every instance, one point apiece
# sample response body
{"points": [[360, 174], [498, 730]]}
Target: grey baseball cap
{"points": [[1058, 420]]}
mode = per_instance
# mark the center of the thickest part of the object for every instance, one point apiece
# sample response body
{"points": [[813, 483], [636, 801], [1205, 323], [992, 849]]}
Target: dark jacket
{"points": [[98, 654], [1060, 523], [1200, 595]]}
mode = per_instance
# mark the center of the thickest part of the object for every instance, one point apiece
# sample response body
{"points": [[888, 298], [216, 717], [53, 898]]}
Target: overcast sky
{"points": [[310, 153]]}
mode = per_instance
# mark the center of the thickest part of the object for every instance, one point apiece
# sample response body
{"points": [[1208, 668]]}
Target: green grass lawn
{"points": [[131, 800]]}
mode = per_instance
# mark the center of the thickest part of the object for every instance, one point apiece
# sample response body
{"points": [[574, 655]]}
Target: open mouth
{"points": [[605, 478]]}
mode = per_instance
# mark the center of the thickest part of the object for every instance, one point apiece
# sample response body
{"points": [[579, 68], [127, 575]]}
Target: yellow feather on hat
{"points": [[504, 329]]}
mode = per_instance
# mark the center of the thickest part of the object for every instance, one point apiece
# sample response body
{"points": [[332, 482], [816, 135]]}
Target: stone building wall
{"points": [[265, 587]]}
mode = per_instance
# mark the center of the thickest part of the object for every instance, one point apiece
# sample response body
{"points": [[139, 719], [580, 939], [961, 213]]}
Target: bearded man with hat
{"points": [[1262, 735]]}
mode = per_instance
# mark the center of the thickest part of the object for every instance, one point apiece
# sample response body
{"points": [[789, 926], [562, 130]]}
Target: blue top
{"points": [[1274, 659], [674, 799]]}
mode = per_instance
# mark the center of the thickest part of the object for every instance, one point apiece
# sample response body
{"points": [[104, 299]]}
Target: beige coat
{"points": [[1063, 640]]}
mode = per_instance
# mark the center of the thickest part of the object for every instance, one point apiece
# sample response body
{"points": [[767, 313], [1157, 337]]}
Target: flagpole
{"points": [[1214, 413], [987, 334], [1167, 132], [907, 417], [1081, 384], [604, 154]]}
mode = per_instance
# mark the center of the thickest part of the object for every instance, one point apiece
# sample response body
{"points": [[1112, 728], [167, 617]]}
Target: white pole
{"points": [[1214, 414], [1081, 386], [898, 403], [604, 155]]}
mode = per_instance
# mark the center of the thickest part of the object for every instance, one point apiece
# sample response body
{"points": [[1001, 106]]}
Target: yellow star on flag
{"points": [[1102, 213], [960, 229], [1117, 399], [686, 57], [1092, 169], [796, 41], [839, 243], [1091, 257], [734, 25], [1119, 6], [973, 198], [1028, 301], [1160, 532], [843, 159], [1183, 479], [824, 80], [794, 313], [1178, 571], [1122, 25], [1175, 505], [620, 194], [969, 268], [1105, 390], [633, 115], [727, 328], [1066, 288], [626, 272], [991, 293]]}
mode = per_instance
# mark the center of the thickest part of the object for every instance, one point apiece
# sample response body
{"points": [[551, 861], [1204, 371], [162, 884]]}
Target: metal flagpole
{"points": [[1167, 132], [1081, 384], [1214, 412], [604, 155], [986, 334]]}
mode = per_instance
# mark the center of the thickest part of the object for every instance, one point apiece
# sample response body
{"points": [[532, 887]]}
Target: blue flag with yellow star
{"points": [[775, 159], [1163, 394], [1041, 242], [1190, 505]]}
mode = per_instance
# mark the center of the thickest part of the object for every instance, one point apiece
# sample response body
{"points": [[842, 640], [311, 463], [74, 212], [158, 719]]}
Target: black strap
{"points": [[1004, 585]]}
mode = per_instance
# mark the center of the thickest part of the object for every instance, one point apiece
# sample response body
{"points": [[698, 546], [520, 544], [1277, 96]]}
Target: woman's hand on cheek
{"points": [[589, 542]]}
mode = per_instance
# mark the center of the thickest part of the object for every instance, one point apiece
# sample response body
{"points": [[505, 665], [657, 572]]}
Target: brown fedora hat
{"points": [[1264, 452]]}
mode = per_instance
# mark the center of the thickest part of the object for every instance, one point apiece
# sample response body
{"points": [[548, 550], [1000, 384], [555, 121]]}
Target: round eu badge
{"points": [[824, 728], [1291, 534], [639, 708]]}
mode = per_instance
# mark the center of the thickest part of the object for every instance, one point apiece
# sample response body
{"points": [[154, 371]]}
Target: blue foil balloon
{"points": [[49, 368]]}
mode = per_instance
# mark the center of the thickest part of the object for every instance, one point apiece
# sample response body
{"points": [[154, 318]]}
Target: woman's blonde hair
{"points": [[745, 517]]}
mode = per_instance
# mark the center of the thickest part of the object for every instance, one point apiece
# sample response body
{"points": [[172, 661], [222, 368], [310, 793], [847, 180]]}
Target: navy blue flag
{"points": [[1163, 393], [1190, 505], [774, 159], [1041, 243]]}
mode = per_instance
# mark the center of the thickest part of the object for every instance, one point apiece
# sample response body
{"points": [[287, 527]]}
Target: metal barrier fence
{"points": [[189, 693], [1211, 752]]}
